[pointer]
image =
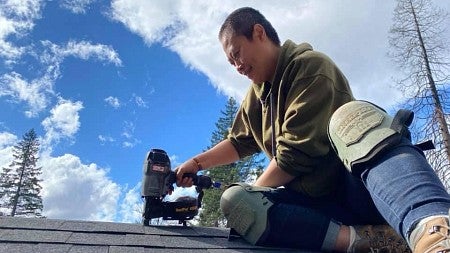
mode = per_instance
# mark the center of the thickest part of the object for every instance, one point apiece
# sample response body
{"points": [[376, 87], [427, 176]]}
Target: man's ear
{"points": [[259, 33]]}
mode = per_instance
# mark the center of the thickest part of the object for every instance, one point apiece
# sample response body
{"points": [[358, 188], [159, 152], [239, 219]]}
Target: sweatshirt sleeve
{"points": [[303, 144], [241, 136]]}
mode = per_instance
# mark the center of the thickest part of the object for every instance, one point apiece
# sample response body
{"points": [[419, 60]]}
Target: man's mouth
{"points": [[247, 72]]}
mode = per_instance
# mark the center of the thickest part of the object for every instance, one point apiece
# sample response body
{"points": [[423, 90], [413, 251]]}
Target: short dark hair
{"points": [[242, 21]]}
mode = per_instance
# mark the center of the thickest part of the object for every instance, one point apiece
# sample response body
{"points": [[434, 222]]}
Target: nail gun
{"points": [[158, 180]]}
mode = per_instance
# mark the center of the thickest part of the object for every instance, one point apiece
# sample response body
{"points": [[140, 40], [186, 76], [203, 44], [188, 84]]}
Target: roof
{"points": [[51, 235]]}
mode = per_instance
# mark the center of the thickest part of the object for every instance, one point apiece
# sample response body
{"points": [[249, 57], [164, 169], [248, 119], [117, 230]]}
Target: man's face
{"points": [[247, 56]]}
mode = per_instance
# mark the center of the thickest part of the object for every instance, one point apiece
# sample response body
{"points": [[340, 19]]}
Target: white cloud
{"points": [[137, 100], [77, 191], [70, 189], [140, 102], [16, 20], [7, 141], [73, 190], [113, 101], [131, 207], [128, 133], [63, 122], [76, 6], [188, 29], [355, 38], [34, 93], [128, 129], [54, 54], [86, 50], [157, 17], [182, 192], [103, 139], [174, 160]]}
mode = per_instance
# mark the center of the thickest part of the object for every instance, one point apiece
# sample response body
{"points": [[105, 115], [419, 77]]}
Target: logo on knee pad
{"points": [[355, 123]]}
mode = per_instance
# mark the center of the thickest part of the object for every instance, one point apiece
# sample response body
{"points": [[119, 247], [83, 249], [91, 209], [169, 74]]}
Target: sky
{"points": [[102, 82]]}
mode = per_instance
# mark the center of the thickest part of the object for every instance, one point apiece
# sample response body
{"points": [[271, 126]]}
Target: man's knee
{"points": [[246, 209], [360, 131]]}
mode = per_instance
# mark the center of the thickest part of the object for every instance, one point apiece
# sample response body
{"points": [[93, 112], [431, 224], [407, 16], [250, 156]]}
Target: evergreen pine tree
{"points": [[20, 183], [240, 171]]}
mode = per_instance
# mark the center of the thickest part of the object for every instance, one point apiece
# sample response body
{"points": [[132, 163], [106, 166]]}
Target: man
{"points": [[318, 192]]}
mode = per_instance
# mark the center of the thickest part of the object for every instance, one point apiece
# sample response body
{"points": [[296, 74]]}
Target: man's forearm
{"points": [[274, 176], [221, 154]]}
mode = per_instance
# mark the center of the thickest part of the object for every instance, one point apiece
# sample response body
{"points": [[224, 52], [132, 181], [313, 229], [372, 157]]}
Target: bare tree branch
{"points": [[419, 50]]}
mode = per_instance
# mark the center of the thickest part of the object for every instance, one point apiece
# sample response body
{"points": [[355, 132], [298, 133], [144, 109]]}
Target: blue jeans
{"points": [[405, 188], [299, 221], [400, 189]]}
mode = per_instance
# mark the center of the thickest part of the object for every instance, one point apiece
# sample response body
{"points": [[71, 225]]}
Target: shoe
{"points": [[378, 239], [431, 236]]}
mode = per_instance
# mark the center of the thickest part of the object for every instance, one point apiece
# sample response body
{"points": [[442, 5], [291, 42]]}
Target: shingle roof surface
{"points": [[32, 235]]}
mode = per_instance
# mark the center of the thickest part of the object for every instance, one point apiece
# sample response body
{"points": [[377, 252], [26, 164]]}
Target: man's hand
{"points": [[223, 153], [188, 166]]}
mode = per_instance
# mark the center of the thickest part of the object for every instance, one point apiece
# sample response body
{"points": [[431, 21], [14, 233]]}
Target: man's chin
{"points": [[254, 80], [257, 81]]}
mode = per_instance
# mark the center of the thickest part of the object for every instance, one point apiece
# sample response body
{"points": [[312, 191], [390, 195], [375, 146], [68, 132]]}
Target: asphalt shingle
{"points": [[24, 235]]}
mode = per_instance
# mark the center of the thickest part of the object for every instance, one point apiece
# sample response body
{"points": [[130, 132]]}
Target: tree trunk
{"points": [[443, 127], [16, 196]]}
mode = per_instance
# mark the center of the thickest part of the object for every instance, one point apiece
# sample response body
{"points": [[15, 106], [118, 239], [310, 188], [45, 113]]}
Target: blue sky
{"points": [[102, 82]]}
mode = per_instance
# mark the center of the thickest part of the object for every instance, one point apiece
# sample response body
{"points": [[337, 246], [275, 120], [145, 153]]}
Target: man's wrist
{"points": [[198, 164]]}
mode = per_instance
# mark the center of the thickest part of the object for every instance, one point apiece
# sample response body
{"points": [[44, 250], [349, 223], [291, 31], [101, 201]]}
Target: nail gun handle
{"points": [[191, 175], [173, 178], [195, 179], [200, 180]]}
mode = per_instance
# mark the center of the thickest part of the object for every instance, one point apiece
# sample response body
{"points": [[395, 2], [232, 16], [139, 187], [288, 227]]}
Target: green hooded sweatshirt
{"points": [[307, 88]]}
